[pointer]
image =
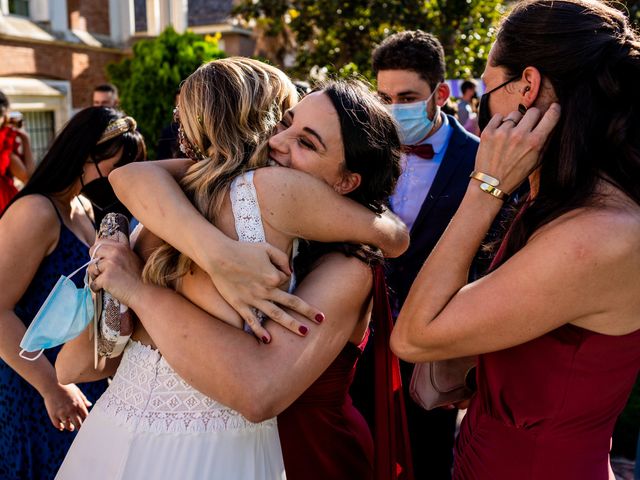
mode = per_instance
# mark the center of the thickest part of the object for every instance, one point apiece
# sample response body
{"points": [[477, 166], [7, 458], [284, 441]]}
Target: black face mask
{"points": [[102, 197], [484, 114]]}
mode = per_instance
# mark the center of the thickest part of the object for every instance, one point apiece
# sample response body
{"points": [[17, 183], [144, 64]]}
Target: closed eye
{"points": [[306, 143]]}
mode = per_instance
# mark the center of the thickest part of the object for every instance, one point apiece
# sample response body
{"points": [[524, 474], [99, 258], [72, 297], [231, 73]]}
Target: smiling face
{"points": [[309, 139]]}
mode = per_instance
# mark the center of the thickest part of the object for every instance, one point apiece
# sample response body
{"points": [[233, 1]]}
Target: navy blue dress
{"points": [[30, 447]]}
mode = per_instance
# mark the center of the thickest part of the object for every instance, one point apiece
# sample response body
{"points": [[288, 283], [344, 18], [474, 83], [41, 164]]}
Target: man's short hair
{"points": [[467, 85], [107, 87], [413, 50]]}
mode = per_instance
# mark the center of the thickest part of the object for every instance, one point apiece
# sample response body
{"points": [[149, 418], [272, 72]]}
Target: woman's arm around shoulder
{"points": [[246, 275], [258, 380], [301, 205]]}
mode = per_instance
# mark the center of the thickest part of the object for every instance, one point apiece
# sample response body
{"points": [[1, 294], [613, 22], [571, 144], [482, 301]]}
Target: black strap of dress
{"points": [[55, 208]]}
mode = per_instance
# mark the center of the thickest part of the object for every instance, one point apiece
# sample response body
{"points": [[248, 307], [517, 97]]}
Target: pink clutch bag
{"points": [[443, 382]]}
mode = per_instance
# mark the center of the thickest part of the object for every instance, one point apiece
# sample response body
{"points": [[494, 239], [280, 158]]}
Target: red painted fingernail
{"points": [[265, 339], [320, 317], [303, 330]]}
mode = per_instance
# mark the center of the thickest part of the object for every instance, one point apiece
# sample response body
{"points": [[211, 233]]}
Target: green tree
{"points": [[338, 35], [632, 9], [149, 79]]}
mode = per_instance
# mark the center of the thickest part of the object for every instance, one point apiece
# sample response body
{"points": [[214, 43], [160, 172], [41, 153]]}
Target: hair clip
{"points": [[117, 128], [186, 147]]}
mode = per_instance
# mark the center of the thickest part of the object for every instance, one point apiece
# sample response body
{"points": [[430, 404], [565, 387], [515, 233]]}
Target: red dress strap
{"points": [[391, 437]]}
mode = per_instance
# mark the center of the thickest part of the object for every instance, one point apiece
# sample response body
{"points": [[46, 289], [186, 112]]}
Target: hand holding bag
{"points": [[443, 382], [113, 324]]}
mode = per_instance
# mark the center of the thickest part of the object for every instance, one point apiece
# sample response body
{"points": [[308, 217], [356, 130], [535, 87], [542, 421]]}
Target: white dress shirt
{"points": [[418, 175]]}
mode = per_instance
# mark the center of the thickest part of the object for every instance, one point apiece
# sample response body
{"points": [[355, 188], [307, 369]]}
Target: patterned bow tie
{"points": [[424, 151]]}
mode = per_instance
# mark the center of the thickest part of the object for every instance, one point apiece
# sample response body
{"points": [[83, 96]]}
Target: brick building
{"points": [[53, 52]]}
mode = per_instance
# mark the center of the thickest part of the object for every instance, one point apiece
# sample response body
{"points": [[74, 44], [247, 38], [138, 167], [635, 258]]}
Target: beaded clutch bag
{"points": [[112, 321]]}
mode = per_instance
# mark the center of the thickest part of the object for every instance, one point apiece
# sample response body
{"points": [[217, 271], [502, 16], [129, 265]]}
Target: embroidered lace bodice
{"points": [[246, 210], [146, 394]]}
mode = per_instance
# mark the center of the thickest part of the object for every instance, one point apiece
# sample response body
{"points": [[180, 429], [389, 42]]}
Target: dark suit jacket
{"points": [[442, 201]]}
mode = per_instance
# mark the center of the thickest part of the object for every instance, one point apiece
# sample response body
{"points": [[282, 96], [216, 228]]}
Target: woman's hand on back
{"points": [[250, 278]]}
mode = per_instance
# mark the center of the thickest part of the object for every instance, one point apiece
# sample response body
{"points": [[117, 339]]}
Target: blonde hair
{"points": [[228, 109]]}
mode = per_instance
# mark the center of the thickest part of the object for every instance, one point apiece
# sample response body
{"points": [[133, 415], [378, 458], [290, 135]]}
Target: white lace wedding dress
{"points": [[150, 424]]}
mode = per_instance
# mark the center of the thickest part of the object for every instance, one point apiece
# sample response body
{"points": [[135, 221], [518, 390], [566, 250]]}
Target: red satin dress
{"points": [[324, 437], [7, 145], [545, 410]]}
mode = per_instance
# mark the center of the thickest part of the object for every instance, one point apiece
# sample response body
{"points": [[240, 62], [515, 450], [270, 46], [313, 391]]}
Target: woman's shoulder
{"points": [[33, 218], [35, 209], [609, 232]]}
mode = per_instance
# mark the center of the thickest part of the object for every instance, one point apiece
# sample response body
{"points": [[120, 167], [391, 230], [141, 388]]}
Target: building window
{"points": [[41, 130], [19, 7]]}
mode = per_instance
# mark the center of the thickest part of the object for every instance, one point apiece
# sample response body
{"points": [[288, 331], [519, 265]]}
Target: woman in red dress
{"points": [[556, 322], [15, 155]]}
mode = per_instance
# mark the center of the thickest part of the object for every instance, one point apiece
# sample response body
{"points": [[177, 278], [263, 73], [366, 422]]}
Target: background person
{"points": [[466, 109], [16, 159], [106, 95], [438, 158]]}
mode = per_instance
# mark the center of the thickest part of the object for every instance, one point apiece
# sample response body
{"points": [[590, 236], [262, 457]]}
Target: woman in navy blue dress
{"points": [[46, 232]]}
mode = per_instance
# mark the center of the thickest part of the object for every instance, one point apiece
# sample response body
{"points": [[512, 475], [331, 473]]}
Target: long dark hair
{"points": [[371, 149], [63, 163], [591, 57]]}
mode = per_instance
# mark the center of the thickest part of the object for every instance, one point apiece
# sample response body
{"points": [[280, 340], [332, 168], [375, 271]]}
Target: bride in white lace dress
{"points": [[151, 423]]}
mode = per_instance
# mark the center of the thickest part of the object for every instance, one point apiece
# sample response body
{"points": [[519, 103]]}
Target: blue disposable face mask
{"points": [[413, 119], [62, 317]]}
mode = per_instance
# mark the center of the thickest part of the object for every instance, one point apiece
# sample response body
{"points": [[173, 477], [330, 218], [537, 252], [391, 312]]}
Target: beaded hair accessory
{"points": [[190, 150], [117, 128]]}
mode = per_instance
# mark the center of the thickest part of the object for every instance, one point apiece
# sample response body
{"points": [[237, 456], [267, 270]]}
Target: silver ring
{"points": [[509, 120]]}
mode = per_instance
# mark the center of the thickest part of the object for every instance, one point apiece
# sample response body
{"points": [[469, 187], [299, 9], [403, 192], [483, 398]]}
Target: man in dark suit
{"points": [[438, 157]]}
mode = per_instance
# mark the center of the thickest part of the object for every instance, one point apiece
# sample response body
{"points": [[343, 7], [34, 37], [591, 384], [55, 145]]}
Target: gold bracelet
{"points": [[495, 191], [483, 177]]}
